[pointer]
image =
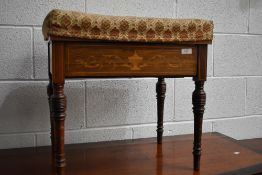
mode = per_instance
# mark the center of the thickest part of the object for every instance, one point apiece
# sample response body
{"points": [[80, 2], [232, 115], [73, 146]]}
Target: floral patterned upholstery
{"points": [[72, 24]]}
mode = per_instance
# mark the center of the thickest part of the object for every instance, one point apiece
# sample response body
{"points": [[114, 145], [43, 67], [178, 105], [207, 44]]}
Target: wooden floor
{"points": [[221, 156]]}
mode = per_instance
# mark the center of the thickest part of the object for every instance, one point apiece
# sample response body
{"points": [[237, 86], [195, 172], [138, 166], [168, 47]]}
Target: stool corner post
{"points": [[161, 91]]}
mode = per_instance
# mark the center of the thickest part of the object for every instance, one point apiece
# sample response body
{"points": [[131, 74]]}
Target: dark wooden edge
{"points": [[56, 38], [131, 76], [152, 140], [246, 143], [132, 44]]}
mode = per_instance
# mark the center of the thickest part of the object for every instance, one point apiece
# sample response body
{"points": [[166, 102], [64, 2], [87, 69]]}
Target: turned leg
{"points": [[58, 108], [50, 93], [199, 101], [160, 90]]}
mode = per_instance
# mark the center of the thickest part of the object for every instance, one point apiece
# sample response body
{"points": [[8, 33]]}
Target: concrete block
{"points": [[225, 98], [24, 106], [210, 61], [33, 12], [122, 102], [89, 135], [254, 96], [40, 55], [16, 53], [170, 129], [255, 18], [240, 128], [237, 55], [229, 16], [126, 109], [153, 8], [17, 141]]}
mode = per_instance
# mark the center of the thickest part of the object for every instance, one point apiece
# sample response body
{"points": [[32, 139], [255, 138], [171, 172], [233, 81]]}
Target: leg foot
{"points": [[199, 101], [160, 90]]}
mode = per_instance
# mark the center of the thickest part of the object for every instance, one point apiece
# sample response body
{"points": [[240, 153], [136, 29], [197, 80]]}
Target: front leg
{"points": [[160, 90], [199, 101], [58, 108], [50, 93]]}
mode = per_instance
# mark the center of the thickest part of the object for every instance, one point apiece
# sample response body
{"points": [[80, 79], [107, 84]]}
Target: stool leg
{"points": [[58, 108], [50, 93], [199, 101], [160, 90]]}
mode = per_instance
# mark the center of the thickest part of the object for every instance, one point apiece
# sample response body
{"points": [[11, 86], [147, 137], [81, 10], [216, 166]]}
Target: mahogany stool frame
{"points": [[70, 58]]}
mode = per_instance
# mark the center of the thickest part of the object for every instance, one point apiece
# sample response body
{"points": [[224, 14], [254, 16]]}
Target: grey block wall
{"points": [[116, 109]]}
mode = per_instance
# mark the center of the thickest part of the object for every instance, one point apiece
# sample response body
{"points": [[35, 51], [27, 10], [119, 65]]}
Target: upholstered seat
{"points": [[70, 24]]}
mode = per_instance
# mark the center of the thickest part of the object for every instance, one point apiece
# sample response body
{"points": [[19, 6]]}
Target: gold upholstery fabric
{"points": [[70, 24]]}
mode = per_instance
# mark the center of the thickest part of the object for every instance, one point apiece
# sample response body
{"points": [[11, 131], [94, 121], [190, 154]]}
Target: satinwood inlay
{"points": [[135, 61], [116, 60]]}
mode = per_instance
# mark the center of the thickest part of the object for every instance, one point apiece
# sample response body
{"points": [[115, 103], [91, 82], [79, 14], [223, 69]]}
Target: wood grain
{"points": [[201, 62], [96, 60], [140, 157], [58, 62]]}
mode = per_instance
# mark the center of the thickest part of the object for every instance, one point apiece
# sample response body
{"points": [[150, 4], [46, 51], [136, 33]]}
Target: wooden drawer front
{"points": [[129, 61]]}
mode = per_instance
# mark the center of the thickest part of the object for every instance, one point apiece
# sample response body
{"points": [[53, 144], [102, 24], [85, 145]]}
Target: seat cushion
{"points": [[70, 24]]}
